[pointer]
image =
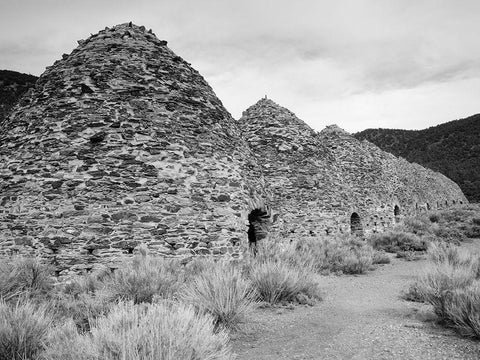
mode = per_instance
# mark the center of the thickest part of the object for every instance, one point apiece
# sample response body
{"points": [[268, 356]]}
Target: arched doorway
{"points": [[396, 213], [257, 227], [356, 227], [428, 206]]}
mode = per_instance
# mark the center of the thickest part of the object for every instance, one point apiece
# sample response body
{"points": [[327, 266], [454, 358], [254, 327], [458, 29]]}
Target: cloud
{"points": [[358, 59]]}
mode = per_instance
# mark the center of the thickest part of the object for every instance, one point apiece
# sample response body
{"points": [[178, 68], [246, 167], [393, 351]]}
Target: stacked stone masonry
{"points": [[122, 142]]}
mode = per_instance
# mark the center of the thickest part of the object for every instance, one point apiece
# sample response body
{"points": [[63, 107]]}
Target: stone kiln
{"points": [[122, 142], [329, 182]]}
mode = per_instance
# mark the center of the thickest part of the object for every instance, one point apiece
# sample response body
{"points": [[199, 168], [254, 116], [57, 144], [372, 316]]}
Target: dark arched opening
{"points": [[446, 202], [428, 206], [356, 227], [396, 213], [453, 202], [461, 202], [257, 227]]}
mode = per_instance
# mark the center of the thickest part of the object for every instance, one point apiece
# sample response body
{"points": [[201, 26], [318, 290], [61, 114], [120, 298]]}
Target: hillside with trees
{"points": [[12, 86], [452, 148]]}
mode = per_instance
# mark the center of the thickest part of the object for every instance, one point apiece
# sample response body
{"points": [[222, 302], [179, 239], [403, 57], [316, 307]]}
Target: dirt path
{"points": [[361, 317]]}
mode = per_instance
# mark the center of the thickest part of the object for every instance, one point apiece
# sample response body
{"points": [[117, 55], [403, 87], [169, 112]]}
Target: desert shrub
{"points": [[456, 215], [222, 292], [22, 277], [340, 254], [441, 253], [462, 310], [65, 343], [144, 278], [276, 281], [413, 293], [380, 257], [85, 284], [23, 330], [83, 308], [476, 221], [419, 225], [434, 218], [347, 255], [441, 279], [409, 255], [472, 231], [450, 234], [395, 241], [166, 331]]}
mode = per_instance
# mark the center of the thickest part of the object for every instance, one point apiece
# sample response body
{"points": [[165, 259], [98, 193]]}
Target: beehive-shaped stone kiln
{"points": [[329, 182], [119, 143]]}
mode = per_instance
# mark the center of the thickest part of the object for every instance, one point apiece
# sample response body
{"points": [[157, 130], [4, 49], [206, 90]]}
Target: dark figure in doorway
{"points": [[252, 239]]}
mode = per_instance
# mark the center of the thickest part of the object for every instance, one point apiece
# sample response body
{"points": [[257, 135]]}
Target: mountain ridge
{"points": [[451, 148], [13, 85]]}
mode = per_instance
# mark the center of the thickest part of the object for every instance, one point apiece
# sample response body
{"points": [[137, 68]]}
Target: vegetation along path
{"points": [[361, 317]]}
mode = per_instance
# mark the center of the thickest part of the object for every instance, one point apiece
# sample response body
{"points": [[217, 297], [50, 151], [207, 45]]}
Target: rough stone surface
{"points": [[122, 142], [319, 180]]}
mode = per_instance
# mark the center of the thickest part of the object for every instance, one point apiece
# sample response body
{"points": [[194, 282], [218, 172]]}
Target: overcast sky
{"points": [[405, 64]]}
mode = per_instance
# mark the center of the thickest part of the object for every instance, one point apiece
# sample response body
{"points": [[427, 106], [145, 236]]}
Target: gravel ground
{"points": [[361, 317]]}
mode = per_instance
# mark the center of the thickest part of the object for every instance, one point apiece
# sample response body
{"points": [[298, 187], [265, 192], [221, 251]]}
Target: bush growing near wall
{"points": [[395, 241], [278, 281], [23, 330], [165, 330], [222, 292], [144, 278], [81, 309], [340, 254], [24, 278], [65, 343]]}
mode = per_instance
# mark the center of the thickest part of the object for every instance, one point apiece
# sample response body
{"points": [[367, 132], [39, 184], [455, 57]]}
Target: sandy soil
{"points": [[361, 317]]}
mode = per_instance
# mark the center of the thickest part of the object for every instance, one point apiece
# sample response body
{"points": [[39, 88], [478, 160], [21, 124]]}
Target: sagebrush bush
{"points": [[144, 278], [82, 308], [22, 277], [23, 330], [340, 254], [419, 225], [222, 292], [413, 293], [65, 343], [380, 257], [396, 241], [441, 279], [167, 331], [450, 272], [441, 253], [277, 281], [462, 309]]}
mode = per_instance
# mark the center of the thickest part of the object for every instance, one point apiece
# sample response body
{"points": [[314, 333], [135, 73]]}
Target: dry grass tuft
{"points": [[23, 330], [276, 282], [22, 277], [222, 292]]}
